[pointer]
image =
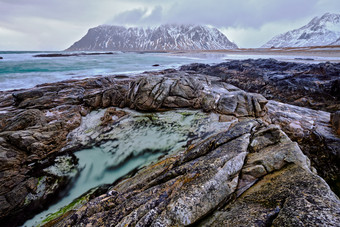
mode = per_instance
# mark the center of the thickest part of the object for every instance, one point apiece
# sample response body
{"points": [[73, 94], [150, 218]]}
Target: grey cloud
{"points": [[156, 15], [59, 22], [129, 17], [220, 13], [246, 13], [138, 17], [62, 10]]}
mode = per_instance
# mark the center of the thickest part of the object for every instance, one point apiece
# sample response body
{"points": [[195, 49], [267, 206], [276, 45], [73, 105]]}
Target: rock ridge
{"points": [[312, 86]]}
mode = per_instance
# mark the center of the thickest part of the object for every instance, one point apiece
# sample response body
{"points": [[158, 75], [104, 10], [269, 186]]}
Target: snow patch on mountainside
{"points": [[321, 31], [162, 38]]}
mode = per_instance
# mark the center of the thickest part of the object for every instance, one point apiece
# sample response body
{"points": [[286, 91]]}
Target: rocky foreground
{"points": [[257, 171]]}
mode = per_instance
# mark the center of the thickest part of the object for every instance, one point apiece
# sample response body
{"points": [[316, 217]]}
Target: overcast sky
{"points": [[56, 24]]}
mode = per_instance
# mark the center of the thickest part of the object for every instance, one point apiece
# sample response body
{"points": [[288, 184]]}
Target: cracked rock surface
{"points": [[253, 173], [316, 86], [35, 124]]}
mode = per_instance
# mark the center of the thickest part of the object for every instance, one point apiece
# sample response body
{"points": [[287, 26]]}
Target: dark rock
{"points": [[25, 119], [1, 58], [288, 197], [315, 86], [155, 65], [175, 91], [335, 120], [72, 54], [305, 59]]}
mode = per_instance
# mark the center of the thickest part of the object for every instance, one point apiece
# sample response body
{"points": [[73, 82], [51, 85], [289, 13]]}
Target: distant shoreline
{"points": [[301, 53], [298, 54]]}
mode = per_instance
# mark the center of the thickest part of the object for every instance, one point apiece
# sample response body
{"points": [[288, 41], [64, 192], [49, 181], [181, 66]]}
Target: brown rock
{"points": [[226, 118], [111, 115], [23, 120]]}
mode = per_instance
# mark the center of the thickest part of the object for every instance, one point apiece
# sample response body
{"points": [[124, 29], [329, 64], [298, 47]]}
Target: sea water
{"points": [[24, 70], [20, 69]]}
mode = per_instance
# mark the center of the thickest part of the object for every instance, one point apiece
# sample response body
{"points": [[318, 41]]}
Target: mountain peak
{"points": [[320, 31], [165, 37]]}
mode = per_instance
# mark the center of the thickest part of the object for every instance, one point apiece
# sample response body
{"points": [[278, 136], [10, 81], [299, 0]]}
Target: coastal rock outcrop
{"points": [[255, 164], [217, 180], [315, 86], [35, 122], [311, 129]]}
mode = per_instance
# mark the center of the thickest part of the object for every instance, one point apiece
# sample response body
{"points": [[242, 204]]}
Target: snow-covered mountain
{"points": [[321, 31], [162, 38]]}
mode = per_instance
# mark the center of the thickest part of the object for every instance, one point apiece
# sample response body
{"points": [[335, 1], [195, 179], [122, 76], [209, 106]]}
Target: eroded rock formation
{"points": [[252, 174], [316, 86], [254, 166], [35, 122]]}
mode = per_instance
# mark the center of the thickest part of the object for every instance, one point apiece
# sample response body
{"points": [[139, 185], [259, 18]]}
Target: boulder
{"points": [[182, 91]]}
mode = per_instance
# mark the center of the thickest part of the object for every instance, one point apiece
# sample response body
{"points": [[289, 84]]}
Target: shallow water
{"points": [[94, 173], [135, 141]]}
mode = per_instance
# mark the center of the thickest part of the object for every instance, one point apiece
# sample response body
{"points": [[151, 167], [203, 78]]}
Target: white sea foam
{"points": [[23, 70]]}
